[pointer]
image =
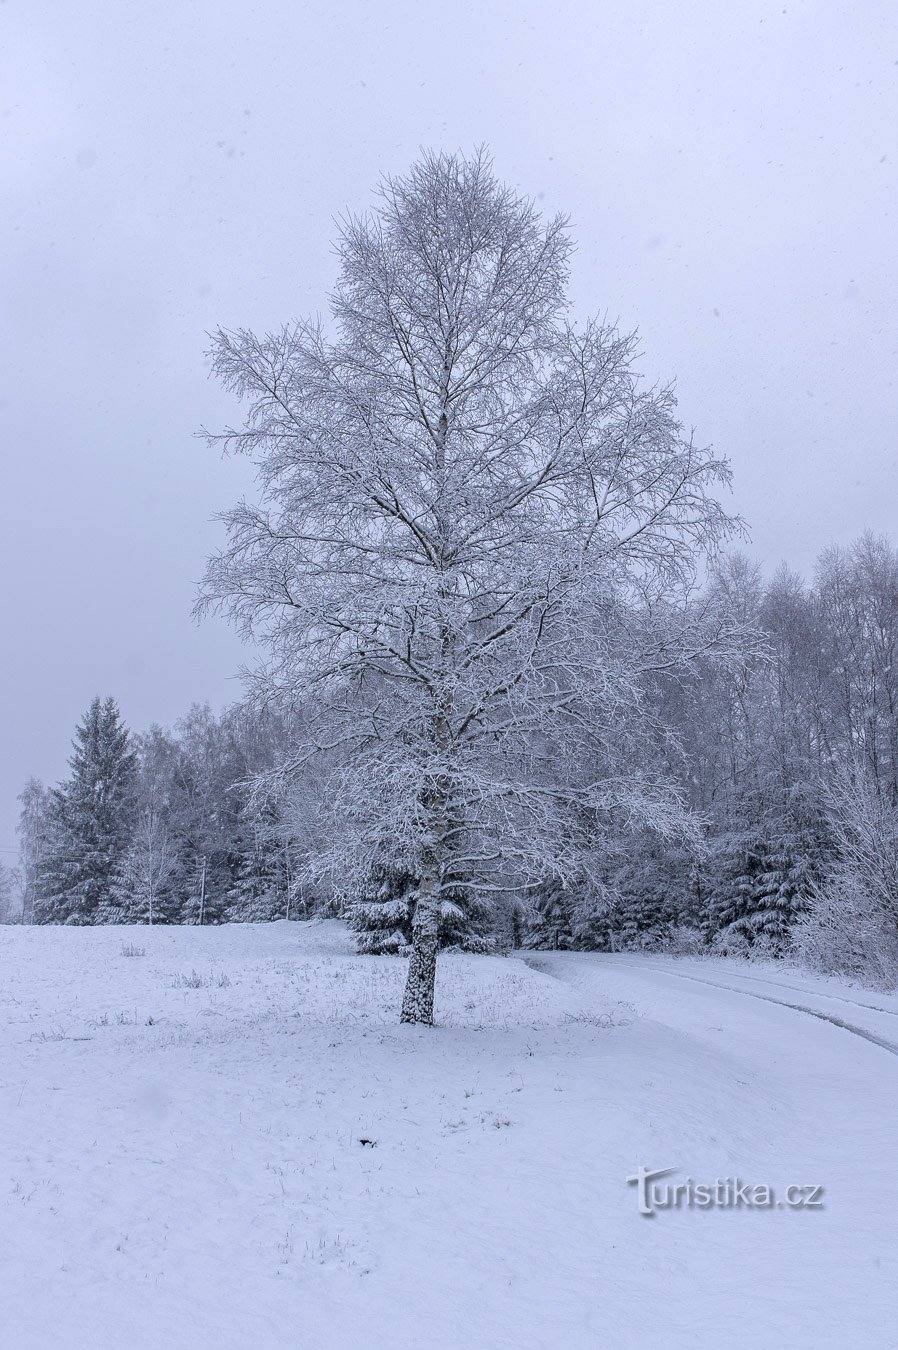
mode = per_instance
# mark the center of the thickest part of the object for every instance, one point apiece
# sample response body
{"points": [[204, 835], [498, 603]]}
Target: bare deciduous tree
{"points": [[459, 490], [34, 842], [852, 925], [148, 868], [11, 906]]}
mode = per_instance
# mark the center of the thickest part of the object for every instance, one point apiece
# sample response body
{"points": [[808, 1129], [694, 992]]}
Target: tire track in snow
{"points": [[782, 984], [767, 998]]}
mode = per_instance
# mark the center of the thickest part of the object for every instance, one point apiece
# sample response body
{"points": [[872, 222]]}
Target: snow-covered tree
{"points": [[857, 599], [262, 865], [851, 924], [35, 829], [761, 884], [10, 895], [144, 890], [752, 762], [459, 489], [236, 860], [91, 817], [549, 918], [382, 909]]}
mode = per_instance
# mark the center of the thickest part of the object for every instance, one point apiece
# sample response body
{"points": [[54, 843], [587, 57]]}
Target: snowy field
{"points": [[223, 1139]]}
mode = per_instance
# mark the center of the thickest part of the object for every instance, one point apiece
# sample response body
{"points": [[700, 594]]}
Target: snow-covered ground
{"points": [[227, 1142]]}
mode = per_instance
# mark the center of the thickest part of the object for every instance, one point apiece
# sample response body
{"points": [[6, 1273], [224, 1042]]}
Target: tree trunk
{"points": [[417, 1001]]}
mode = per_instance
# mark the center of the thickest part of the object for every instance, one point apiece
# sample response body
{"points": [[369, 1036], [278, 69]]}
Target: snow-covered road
{"points": [[875, 1022], [181, 1161], [800, 1086]]}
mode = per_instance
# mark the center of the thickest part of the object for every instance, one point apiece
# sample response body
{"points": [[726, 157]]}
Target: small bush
{"points": [[684, 941], [197, 981], [846, 932], [192, 981], [131, 949]]}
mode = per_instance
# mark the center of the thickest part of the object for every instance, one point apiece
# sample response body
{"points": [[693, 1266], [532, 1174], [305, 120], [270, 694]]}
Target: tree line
{"points": [[784, 756], [158, 827]]}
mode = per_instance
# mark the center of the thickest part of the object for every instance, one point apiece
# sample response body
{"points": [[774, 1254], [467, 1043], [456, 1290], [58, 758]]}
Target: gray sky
{"points": [[730, 170]]}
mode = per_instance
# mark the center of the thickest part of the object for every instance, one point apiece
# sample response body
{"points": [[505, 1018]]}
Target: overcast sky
{"points": [[730, 171]]}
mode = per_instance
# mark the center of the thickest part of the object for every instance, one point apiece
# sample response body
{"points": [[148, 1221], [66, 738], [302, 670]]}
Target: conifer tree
{"points": [[761, 885], [382, 913], [382, 909], [92, 821], [550, 925], [259, 890]]}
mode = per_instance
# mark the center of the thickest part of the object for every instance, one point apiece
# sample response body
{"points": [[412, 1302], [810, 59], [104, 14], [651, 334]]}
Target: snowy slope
{"points": [[183, 1166]]}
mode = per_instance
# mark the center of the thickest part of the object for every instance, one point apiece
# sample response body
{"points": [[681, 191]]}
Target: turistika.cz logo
{"points": [[653, 1193]]}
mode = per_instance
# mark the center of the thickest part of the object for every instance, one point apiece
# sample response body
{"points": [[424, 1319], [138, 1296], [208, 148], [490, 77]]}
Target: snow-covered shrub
{"points": [[848, 933], [685, 940], [192, 981], [730, 941]]}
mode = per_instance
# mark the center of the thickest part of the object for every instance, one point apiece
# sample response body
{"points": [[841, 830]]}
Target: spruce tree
{"points": [[382, 912], [92, 816], [761, 885], [259, 890], [550, 921]]}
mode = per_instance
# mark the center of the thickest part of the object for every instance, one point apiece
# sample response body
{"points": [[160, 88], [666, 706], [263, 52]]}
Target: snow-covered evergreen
{"points": [[381, 913], [91, 819]]}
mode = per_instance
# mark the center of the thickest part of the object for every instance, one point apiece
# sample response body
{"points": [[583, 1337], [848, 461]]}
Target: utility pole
{"points": [[203, 892]]}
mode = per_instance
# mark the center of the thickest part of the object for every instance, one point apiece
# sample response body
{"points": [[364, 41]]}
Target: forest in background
{"points": [[785, 756]]}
